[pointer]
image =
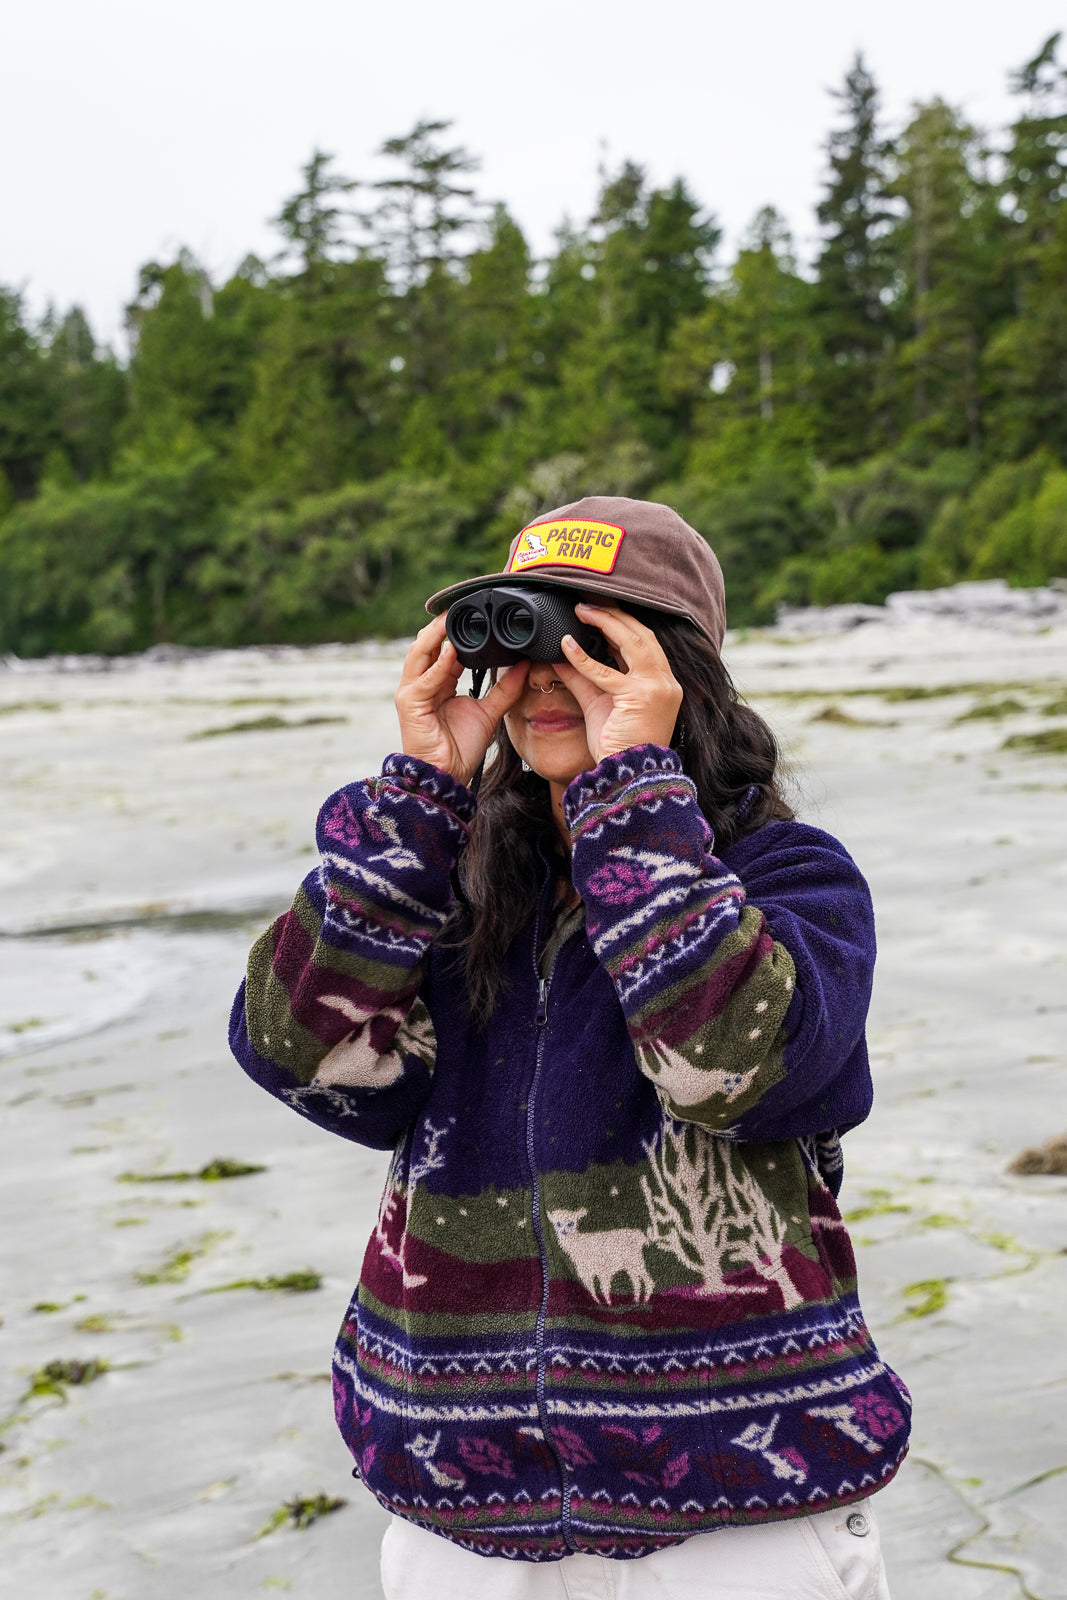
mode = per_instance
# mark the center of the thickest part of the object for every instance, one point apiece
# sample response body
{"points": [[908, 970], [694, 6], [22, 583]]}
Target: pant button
{"points": [[857, 1523]]}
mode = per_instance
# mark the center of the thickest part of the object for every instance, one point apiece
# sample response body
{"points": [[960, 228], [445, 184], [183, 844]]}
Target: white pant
{"points": [[805, 1558]]}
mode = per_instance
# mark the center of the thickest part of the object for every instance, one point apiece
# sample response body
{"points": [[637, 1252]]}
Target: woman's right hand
{"points": [[450, 731]]}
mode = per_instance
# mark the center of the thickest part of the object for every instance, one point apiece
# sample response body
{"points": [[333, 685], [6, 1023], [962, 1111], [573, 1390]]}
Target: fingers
{"points": [[506, 691], [645, 695], [424, 651], [583, 690], [431, 669], [632, 639], [595, 672]]}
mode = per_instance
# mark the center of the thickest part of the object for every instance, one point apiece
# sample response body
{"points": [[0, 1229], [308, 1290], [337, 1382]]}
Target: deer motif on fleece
{"points": [[356, 1062], [598, 1258]]}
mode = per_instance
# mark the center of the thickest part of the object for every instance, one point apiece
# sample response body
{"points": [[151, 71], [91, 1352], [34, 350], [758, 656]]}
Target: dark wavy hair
{"points": [[728, 751]]}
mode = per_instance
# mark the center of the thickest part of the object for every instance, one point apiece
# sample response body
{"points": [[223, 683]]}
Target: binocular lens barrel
{"points": [[503, 624], [515, 624], [467, 626]]}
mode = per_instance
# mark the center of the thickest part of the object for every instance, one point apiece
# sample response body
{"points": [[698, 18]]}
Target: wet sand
{"points": [[138, 860]]}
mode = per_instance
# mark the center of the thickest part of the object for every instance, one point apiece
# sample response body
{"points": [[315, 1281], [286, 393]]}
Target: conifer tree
{"points": [[315, 226], [423, 228], [623, 285], [947, 249], [27, 425], [89, 395], [850, 307], [1026, 362]]}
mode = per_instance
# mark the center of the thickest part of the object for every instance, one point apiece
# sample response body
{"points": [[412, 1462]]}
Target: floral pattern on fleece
{"points": [[704, 987]]}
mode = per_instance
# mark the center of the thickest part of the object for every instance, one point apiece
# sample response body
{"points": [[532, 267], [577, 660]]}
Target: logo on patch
{"points": [[592, 546]]}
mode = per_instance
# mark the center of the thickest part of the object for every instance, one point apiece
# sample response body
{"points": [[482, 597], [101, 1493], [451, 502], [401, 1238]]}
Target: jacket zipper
{"points": [[543, 985]]}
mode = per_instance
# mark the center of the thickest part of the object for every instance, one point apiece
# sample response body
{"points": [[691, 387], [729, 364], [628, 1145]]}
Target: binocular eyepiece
{"points": [[497, 626]]}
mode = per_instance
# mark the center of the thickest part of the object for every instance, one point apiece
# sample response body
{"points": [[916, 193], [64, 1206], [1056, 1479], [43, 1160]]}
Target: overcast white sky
{"points": [[127, 130]]}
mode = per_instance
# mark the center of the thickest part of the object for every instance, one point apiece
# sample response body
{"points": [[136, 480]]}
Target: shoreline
{"points": [[147, 845]]}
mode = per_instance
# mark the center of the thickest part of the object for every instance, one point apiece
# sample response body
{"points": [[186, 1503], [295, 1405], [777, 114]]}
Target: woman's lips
{"points": [[556, 723]]}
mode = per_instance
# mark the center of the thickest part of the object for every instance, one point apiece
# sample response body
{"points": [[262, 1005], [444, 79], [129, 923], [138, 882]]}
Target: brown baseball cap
{"points": [[625, 550]]}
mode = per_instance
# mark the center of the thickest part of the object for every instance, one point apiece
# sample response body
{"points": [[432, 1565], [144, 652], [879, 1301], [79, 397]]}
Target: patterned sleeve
{"points": [[329, 1018], [735, 1026]]}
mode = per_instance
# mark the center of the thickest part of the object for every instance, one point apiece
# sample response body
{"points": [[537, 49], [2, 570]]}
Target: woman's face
{"points": [[547, 728]]}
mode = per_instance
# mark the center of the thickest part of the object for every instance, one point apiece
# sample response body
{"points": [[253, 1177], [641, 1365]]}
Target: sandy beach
{"points": [[166, 1335]]}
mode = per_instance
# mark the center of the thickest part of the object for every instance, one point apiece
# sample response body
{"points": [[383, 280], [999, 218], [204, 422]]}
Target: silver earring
{"points": [[526, 767]]}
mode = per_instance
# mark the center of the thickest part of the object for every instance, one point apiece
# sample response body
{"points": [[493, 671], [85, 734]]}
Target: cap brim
{"points": [[587, 582]]}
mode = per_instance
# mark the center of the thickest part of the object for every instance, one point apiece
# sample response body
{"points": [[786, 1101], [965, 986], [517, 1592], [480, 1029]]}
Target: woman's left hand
{"points": [[636, 706]]}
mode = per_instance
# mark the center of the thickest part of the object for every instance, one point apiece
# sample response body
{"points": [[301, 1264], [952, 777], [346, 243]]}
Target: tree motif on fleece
{"points": [[708, 1211], [430, 1157], [389, 1222], [396, 1196]]}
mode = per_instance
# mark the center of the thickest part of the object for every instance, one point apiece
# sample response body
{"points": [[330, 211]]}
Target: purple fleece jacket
{"points": [[609, 1301]]}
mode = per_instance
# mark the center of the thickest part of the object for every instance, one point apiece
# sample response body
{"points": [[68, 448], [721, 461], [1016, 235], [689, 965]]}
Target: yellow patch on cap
{"points": [[592, 546]]}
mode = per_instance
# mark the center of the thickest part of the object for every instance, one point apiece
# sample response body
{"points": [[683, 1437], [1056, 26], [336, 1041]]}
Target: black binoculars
{"points": [[494, 627]]}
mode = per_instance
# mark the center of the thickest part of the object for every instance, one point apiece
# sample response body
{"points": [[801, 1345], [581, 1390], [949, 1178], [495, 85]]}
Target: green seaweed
{"points": [[14, 706], [913, 691], [991, 710], [116, 1321], [879, 1203], [955, 1553], [268, 724], [901, 693], [25, 1026], [1047, 742], [56, 1377], [844, 719], [175, 1268], [301, 1512], [929, 1296], [302, 1282], [264, 700], [96, 1322], [1056, 707], [1005, 1242], [217, 1171]]}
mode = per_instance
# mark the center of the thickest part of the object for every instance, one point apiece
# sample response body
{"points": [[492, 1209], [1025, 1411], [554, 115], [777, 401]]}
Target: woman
{"points": [[609, 1015]]}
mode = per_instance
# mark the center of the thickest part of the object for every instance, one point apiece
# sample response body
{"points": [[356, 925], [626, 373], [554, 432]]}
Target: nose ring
{"points": [[551, 688]]}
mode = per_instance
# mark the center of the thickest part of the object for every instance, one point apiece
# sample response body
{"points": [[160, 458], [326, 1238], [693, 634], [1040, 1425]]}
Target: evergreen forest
{"points": [[305, 451]]}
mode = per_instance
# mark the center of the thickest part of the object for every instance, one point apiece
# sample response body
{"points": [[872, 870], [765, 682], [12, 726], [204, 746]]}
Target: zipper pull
{"points": [[542, 1002]]}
